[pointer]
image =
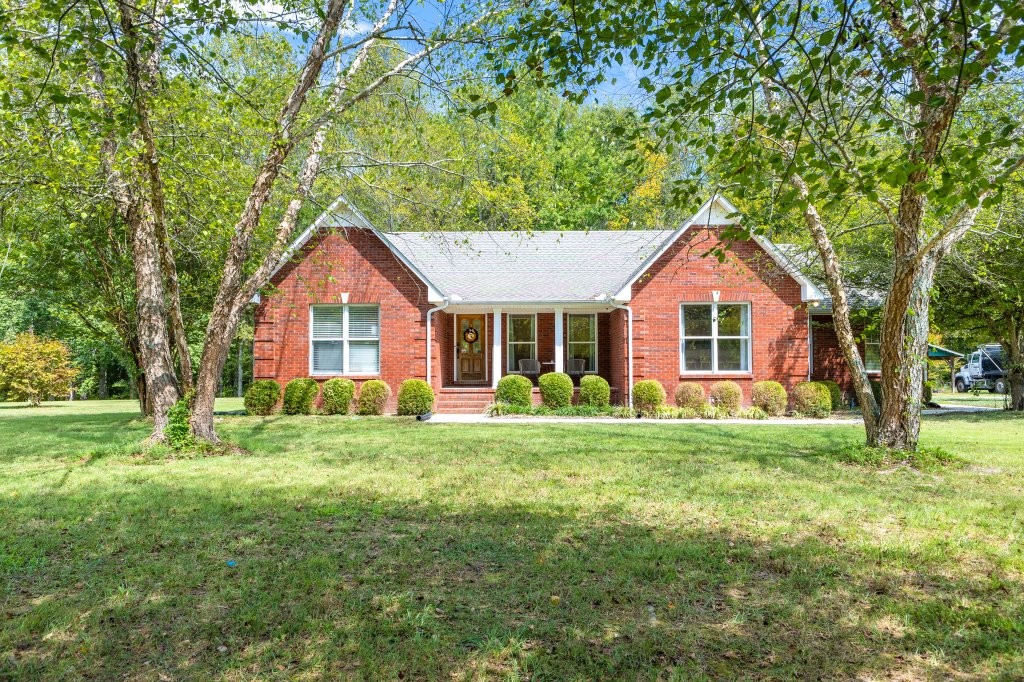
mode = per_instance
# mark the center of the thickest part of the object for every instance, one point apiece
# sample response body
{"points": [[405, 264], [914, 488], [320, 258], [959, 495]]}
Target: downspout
{"points": [[430, 314], [629, 349]]}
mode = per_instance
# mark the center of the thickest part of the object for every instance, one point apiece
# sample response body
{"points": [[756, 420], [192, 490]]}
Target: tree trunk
{"points": [[1014, 348], [238, 370], [102, 389]]}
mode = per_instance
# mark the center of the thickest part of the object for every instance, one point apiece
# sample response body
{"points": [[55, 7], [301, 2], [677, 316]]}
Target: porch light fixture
{"points": [[715, 295], [344, 298]]}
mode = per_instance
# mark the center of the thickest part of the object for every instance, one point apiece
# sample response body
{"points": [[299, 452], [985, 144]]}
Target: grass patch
{"points": [[924, 459], [351, 547]]}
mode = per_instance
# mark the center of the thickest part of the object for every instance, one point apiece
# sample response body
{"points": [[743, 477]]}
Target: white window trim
{"points": [[715, 338], [345, 339], [509, 341], [874, 339], [569, 343]]}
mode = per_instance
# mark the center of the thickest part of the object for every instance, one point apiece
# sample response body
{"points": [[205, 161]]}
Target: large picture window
{"points": [[345, 339], [522, 340], [583, 340], [715, 337], [872, 352]]}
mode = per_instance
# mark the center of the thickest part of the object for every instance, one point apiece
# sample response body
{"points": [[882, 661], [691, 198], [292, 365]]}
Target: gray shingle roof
{"points": [[528, 267]]}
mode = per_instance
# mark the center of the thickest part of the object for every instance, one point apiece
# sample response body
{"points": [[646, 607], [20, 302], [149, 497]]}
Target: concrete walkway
{"points": [[852, 420], [518, 419]]}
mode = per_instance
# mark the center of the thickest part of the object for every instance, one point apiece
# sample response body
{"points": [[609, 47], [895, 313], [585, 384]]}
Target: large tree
{"points": [[981, 286], [825, 105], [115, 57]]}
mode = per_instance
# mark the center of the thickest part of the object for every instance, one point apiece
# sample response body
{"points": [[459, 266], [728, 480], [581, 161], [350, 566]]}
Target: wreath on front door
{"points": [[470, 335]]}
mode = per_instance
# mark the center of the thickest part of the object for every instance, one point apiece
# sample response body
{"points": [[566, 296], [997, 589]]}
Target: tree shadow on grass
{"points": [[133, 581]]}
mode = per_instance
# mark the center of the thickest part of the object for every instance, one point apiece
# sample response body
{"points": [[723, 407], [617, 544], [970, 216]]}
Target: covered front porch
{"points": [[477, 345]]}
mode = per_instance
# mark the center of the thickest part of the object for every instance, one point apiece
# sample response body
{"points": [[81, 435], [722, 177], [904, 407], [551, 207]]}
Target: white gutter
{"points": [[430, 314], [629, 349]]}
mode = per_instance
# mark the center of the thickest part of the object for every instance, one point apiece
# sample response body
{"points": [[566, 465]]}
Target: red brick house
{"points": [[462, 309]]}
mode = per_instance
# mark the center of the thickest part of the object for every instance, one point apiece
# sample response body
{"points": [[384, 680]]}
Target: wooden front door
{"points": [[471, 348]]}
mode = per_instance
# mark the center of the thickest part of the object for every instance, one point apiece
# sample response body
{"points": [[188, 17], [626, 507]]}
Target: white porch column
{"points": [[559, 353], [496, 349]]}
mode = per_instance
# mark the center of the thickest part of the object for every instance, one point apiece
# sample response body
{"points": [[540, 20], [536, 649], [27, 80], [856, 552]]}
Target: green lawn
{"points": [[983, 399], [385, 548]]}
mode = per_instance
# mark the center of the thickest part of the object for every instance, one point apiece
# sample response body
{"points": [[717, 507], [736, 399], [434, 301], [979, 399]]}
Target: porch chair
{"points": [[577, 368], [530, 369]]}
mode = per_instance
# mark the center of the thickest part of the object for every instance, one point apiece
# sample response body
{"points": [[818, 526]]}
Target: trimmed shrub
{"points": [[769, 396], [690, 394], [834, 393], [299, 395], [876, 389], [727, 395], [261, 397], [415, 396], [926, 391], [555, 389], [178, 432], [514, 389], [373, 397], [812, 399], [648, 396], [594, 391], [337, 396]]}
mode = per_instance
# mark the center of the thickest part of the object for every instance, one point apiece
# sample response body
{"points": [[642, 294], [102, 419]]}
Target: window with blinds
{"points": [[345, 339]]}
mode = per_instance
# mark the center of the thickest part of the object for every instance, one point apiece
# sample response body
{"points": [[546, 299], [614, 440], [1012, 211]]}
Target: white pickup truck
{"points": [[983, 369]]}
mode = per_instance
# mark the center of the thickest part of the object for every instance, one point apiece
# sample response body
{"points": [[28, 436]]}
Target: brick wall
{"points": [[747, 275], [829, 362], [355, 262]]}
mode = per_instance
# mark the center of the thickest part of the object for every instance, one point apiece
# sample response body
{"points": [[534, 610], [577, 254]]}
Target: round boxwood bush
{"points": [[834, 393], [299, 395], [514, 389], [812, 399], [690, 395], [261, 397], [337, 395], [770, 396], [594, 391], [555, 389], [373, 397], [648, 396], [415, 396], [727, 395]]}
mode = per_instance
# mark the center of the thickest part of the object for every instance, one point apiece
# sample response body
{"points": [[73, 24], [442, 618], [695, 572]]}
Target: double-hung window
{"points": [[583, 340], [522, 340], [715, 337], [345, 339], [872, 352]]}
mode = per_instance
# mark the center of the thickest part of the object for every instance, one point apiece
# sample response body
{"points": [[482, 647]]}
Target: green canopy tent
{"points": [[940, 353]]}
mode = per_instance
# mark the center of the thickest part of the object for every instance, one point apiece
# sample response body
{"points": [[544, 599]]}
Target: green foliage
{"points": [[299, 395], [690, 395], [415, 397], [834, 392], [34, 369], [926, 391], [648, 396], [507, 409], [514, 389], [338, 394], [594, 391], [769, 396], [876, 390], [178, 432], [727, 395], [373, 397], [754, 412], [262, 397], [555, 389], [811, 399]]}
